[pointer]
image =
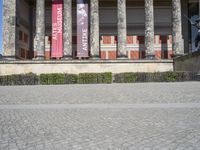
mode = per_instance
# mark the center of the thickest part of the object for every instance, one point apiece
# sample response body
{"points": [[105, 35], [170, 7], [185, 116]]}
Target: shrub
{"points": [[14, 80], [71, 79], [141, 77], [104, 77], [155, 77], [126, 78], [170, 76], [29, 79], [43, 79], [3, 80], [21, 79], [87, 78], [54, 78], [94, 78]]}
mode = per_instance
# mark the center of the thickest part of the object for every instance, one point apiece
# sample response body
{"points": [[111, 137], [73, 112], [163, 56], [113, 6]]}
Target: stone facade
{"points": [[124, 28]]}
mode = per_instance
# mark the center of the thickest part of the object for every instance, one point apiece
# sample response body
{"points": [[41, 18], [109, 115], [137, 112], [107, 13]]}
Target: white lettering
{"points": [[85, 39]]}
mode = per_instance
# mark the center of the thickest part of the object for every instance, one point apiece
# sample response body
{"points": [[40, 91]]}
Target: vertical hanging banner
{"points": [[82, 29], [57, 29]]}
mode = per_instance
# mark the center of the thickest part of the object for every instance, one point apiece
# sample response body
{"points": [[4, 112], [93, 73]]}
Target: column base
{"points": [[7, 57], [95, 57], [150, 57], [39, 58], [177, 55], [66, 57], [122, 57]]}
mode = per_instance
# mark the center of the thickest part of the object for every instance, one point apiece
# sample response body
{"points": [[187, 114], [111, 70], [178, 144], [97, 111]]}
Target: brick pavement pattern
{"points": [[183, 92], [104, 128]]}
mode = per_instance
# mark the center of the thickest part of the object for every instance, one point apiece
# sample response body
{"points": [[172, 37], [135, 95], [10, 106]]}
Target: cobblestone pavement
{"points": [[115, 122], [95, 129], [114, 93]]}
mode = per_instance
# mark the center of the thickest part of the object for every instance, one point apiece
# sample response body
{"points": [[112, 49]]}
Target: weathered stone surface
{"points": [[94, 28], [9, 28], [67, 34], [149, 28], [190, 63], [177, 39], [122, 28], [75, 67], [40, 29]]}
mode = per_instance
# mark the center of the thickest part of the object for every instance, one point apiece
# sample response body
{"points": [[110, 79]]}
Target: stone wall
{"points": [[85, 66], [190, 63]]}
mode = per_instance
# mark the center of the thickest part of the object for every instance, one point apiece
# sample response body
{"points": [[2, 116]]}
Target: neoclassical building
{"points": [[98, 29]]}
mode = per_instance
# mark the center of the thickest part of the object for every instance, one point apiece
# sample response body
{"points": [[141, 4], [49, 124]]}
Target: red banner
{"points": [[82, 29], [57, 31]]}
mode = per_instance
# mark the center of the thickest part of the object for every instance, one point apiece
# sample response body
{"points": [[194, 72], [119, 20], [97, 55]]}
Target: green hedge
{"points": [[71, 79], [21, 79], [58, 78], [54, 78], [87, 78], [96, 78], [126, 77], [154, 77], [105, 78]]}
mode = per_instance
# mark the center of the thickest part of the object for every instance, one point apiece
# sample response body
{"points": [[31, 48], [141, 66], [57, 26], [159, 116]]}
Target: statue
{"points": [[197, 25]]}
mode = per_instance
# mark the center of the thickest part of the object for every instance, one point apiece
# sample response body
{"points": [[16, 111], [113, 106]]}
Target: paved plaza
{"points": [[142, 116]]}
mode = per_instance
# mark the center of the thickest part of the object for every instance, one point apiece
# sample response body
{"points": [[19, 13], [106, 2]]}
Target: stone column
{"points": [[94, 28], [40, 29], [122, 28], [9, 29], [149, 29], [177, 39], [67, 29], [199, 13]]}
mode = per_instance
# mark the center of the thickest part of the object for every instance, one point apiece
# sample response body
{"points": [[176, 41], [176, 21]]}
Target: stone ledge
{"points": [[76, 67], [188, 56], [82, 61]]}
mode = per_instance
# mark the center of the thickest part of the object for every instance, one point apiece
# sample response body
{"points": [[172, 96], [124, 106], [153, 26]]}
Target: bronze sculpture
{"points": [[197, 25]]}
